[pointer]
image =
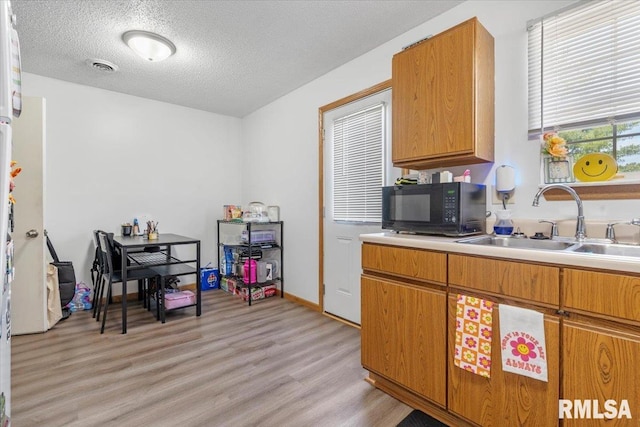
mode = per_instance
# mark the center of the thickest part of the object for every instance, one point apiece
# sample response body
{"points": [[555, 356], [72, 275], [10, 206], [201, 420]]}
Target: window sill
{"points": [[607, 190]]}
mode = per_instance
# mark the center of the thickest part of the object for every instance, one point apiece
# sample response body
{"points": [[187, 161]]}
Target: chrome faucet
{"points": [[581, 231]]}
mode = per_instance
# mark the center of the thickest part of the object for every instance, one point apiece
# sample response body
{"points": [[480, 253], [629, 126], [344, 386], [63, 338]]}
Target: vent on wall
{"points": [[102, 65]]}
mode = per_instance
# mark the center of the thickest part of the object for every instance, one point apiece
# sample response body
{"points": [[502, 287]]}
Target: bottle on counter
{"points": [[504, 224]]}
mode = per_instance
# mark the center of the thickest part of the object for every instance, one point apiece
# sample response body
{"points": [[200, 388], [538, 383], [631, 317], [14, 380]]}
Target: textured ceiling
{"points": [[232, 57]]}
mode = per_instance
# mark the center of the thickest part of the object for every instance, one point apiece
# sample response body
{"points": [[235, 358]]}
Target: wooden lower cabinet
{"points": [[601, 348], [404, 335], [505, 399], [600, 363], [407, 318]]}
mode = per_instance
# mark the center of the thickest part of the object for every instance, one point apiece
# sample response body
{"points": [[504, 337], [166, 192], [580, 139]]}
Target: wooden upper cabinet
{"points": [[443, 99]]}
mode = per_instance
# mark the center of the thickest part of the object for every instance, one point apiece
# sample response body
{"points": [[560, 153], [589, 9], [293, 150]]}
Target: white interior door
{"points": [[342, 246], [28, 291]]}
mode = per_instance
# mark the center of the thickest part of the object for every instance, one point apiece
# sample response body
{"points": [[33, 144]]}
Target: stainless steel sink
{"points": [[600, 247], [608, 249], [510, 242]]}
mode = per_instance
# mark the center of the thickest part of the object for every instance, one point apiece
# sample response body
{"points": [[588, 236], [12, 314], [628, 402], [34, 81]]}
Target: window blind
{"points": [[358, 165], [584, 66]]}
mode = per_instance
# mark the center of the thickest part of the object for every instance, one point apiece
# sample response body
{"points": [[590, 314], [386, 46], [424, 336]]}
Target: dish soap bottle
{"points": [[503, 225]]}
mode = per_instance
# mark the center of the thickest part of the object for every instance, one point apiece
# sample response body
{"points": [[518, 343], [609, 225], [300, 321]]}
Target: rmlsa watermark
{"points": [[593, 409]]}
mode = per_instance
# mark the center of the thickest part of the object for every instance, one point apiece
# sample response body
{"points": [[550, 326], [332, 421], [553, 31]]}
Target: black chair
{"points": [[111, 276], [98, 268], [96, 275]]}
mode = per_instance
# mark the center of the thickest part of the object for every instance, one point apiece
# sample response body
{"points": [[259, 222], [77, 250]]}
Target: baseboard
{"points": [[302, 302], [341, 320]]}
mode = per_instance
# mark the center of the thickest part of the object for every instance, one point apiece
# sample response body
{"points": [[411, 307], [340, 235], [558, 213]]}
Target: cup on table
{"points": [[126, 230]]}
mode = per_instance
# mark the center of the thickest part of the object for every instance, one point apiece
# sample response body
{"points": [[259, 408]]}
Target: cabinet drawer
{"points": [[410, 263], [535, 283], [608, 294]]}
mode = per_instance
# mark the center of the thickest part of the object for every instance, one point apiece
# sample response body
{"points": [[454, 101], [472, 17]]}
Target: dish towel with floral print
{"points": [[522, 342], [473, 335]]}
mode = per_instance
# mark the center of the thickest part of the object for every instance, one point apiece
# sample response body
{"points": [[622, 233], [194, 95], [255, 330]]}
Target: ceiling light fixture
{"points": [[150, 46]]}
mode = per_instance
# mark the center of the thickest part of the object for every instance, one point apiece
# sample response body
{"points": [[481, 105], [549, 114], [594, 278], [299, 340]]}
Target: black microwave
{"points": [[449, 208]]}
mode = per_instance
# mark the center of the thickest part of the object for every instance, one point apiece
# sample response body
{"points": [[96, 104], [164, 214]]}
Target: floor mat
{"points": [[420, 419]]}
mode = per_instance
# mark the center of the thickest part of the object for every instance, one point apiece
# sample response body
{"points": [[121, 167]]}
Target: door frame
{"points": [[332, 106]]}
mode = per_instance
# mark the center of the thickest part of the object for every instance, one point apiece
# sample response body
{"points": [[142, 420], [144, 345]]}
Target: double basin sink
{"points": [[590, 246]]}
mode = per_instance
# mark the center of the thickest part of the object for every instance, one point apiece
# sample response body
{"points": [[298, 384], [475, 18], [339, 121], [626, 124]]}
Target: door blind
{"points": [[583, 66], [358, 141]]}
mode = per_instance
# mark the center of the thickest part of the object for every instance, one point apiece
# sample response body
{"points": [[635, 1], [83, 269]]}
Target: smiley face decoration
{"points": [[595, 167]]}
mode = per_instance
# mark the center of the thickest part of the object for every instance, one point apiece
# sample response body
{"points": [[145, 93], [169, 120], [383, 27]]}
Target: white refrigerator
{"points": [[10, 107]]}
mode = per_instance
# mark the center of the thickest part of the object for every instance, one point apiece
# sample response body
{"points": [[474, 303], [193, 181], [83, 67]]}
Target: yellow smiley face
{"points": [[595, 167], [523, 349]]}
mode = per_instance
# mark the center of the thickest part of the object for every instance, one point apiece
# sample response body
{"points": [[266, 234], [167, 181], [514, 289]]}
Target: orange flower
{"points": [[554, 145]]}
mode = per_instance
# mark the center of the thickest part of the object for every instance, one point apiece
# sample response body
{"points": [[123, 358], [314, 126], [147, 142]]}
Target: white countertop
{"points": [[561, 258]]}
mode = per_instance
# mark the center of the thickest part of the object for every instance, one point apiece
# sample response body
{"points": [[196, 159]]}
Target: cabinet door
{"points": [[505, 399], [600, 363], [404, 335], [433, 96]]}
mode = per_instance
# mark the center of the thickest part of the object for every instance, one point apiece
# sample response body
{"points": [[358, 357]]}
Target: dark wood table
{"points": [[134, 245]]}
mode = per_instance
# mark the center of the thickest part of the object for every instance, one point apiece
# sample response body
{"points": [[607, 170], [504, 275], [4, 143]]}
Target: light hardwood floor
{"points": [[273, 364]]}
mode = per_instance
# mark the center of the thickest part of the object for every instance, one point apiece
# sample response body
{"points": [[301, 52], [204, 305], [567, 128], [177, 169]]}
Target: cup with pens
{"points": [[152, 230]]}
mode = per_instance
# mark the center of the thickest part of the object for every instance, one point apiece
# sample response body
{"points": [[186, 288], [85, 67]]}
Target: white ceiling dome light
{"points": [[149, 46]]}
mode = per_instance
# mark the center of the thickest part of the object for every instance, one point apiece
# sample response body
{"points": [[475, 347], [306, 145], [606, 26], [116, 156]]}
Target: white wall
{"points": [[112, 156], [282, 136]]}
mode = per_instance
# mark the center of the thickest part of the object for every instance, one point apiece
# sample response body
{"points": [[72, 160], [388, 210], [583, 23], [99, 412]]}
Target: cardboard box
{"points": [[228, 284], [258, 292]]}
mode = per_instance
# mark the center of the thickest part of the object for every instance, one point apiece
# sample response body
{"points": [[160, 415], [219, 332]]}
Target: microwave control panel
{"points": [[450, 203]]}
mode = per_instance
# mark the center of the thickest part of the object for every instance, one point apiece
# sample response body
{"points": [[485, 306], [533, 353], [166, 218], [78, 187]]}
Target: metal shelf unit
{"points": [[252, 248]]}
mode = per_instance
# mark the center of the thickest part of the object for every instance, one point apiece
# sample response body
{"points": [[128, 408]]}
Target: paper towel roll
{"points": [[505, 178]]}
